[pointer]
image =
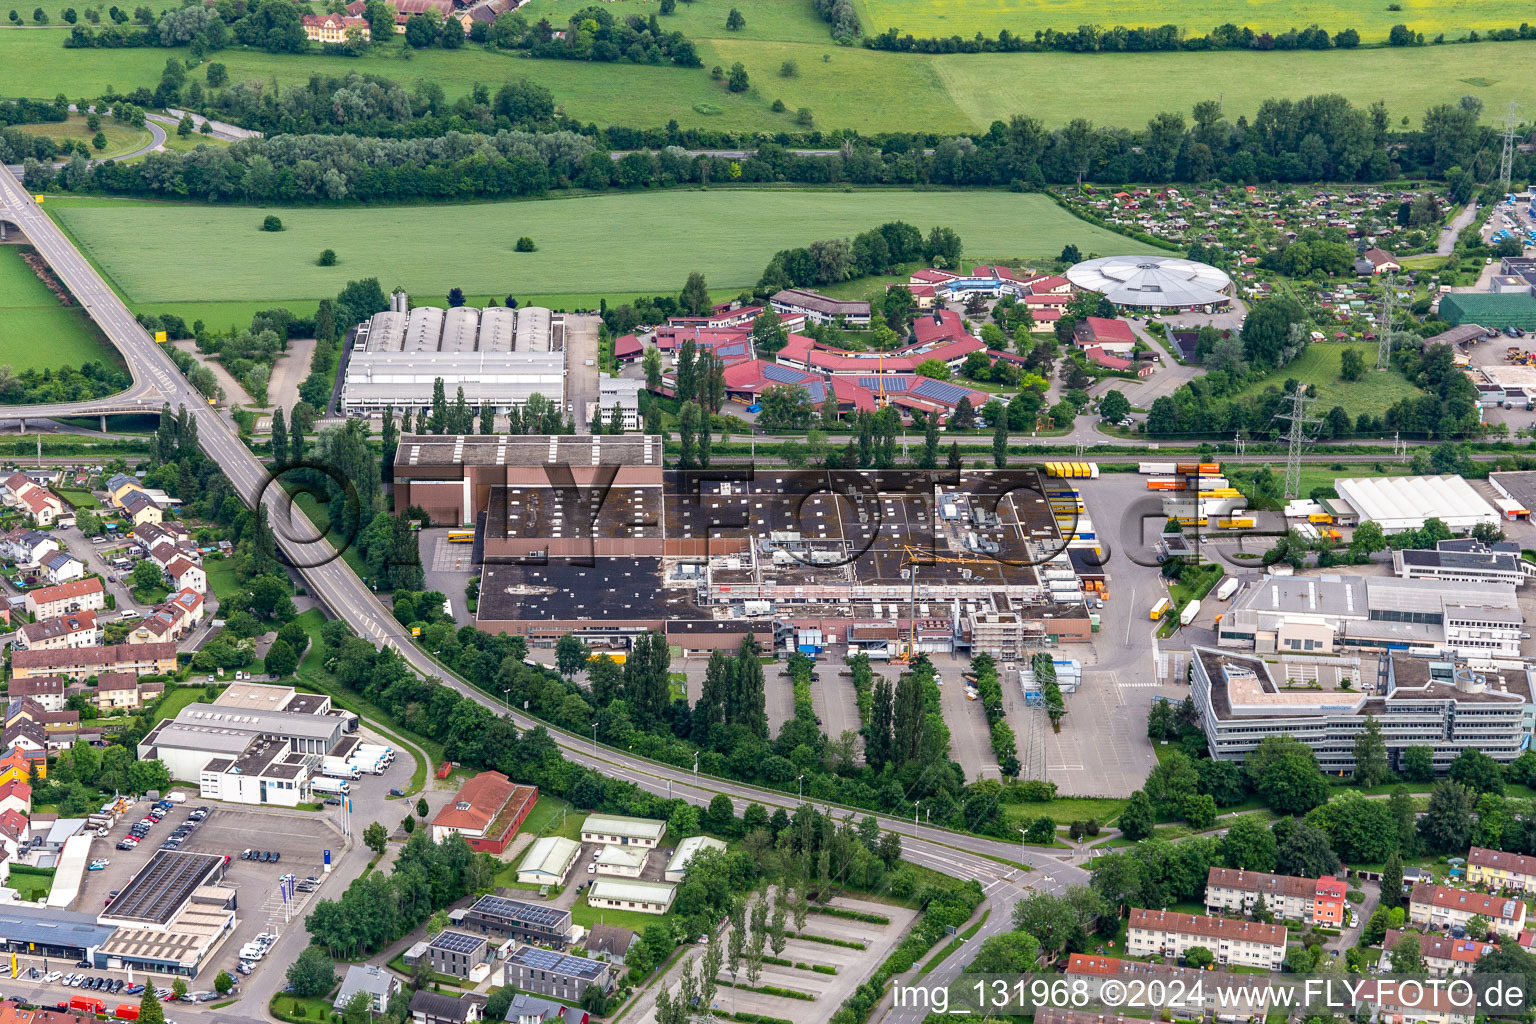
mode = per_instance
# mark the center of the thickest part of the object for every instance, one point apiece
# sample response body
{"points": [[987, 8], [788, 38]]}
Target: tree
{"points": [[1392, 879], [312, 973], [694, 299], [1267, 335], [455, 297], [151, 1009], [1351, 365], [652, 363], [1249, 845], [1405, 954], [222, 982], [1446, 825], [327, 258], [1477, 771], [1114, 407], [1307, 852], [146, 575], [1260, 911], [279, 438], [570, 655], [99, 141], [1418, 763], [1000, 443], [272, 222], [1284, 771], [737, 80], [1137, 819], [375, 837], [734, 22], [281, 659], [1199, 957], [1370, 754], [1015, 952], [218, 74], [525, 244]]}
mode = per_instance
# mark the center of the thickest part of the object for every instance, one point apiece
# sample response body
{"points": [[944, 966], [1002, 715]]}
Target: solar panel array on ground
{"points": [[940, 391], [516, 910], [162, 887], [458, 942]]}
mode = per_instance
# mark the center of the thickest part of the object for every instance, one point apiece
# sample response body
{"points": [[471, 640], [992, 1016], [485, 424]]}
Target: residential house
{"points": [[185, 574], [560, 975], [80, 663], [47, 691], [141, 509], [405, 8], [333, 28], [1419, 1004], [16, 796], [26, 735], [527, 1009], [1445, 908], [440, 1008], [609, 942], [76, 629], [37, 503], [15, 833], [124, 690], [1168, 933], [1381, 261], [170, 620], [26, 546], [76, 596], [17, 763], [1499, 870], [1442, 955], [378, 983], [119, 486], [457, 953], [62, 567]]}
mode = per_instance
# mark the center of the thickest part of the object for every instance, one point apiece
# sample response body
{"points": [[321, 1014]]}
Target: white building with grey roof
{"points": [[499, 356], [1444, 704], [1328, 613]]}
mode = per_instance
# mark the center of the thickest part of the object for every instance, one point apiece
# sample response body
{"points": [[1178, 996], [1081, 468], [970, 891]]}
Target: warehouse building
{"points": [[1449, 706], [621, 830], [499, 356], [171, 915], [241, 754], [1399, 503], [34, 930], [1328, 613]]}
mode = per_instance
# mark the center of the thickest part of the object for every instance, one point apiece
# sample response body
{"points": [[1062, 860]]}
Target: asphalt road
{"points": [[329, 578]]}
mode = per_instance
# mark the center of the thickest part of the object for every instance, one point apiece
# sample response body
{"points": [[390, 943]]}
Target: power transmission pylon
{"points": [[1238, 444], [1384, 326], [1507, 157], [1296, 437]]}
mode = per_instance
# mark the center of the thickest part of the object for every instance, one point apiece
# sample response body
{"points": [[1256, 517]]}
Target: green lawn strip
{"points": [[151, 249], [77, 497], [1065, 810], [179, 697], [36, 332], [935, 18], [221, 577], [587, 915], [1373, 393], [299, 1010], [955, 943], [446, 980], [121, 138]]}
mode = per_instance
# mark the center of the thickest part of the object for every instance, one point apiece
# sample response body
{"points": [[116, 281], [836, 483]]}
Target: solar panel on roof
{"points": [[782, 374], [457, 942], [500, 906], [548, 960], [941, 391], [891, 383]]}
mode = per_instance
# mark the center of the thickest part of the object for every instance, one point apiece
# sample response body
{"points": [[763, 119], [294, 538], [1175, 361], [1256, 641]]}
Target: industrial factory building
{"points": [[499, 356]]}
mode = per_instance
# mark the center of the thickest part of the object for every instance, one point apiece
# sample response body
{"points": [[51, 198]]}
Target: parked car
{"points": [[98, 864]]}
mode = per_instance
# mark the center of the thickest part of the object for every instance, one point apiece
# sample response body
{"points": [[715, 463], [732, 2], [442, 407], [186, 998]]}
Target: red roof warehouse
{"points": [[487, 812]]}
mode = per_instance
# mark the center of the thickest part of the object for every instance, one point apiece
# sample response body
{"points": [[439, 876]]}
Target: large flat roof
{"points": [[534, 450], [20, 922], [162, 888]]}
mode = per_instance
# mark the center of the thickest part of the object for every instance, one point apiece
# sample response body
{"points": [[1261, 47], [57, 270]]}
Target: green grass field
{"points": [[1023, 17], [120, 137], [158, 253], [1374, 393], [37, 332], [847, 87]]}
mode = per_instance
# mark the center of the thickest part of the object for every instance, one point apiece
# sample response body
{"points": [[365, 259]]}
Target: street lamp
{"points": [[800, 789], [594, 738], [1022, 851], [915, 805]]}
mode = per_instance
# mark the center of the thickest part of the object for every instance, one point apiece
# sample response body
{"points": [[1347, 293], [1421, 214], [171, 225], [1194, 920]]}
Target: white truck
{"points": [[373, 766], [374, 750], [337, 768], [334, 787], [1188, 614], [1228, 588]]}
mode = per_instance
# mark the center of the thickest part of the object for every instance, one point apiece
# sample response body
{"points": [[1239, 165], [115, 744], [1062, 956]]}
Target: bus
{"points": [[1159, 609], [461, 536]]}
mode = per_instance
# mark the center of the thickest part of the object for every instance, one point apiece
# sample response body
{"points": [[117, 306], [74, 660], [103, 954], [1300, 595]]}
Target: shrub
{"points": [[789, 69], [778, 107], [525, 244], [272, 222], [327, 258]]}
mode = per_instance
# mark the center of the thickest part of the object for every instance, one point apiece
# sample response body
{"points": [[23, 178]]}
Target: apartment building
{"points": [[1440, 906], [1499, 870], [77, 596], [1171, 934], [1313, 900], [1443, 956], [80, 663], [77, 629]]}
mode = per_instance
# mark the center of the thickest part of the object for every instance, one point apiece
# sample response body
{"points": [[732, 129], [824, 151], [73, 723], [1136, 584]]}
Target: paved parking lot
{"points": [[833, 697]]}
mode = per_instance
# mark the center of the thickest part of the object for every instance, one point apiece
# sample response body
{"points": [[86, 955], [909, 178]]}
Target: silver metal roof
{"points": [[1155, 281]]}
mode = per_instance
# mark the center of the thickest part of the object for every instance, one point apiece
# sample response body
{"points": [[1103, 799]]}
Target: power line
{"points": [[1296, 437], [1384, 327], [1507, 157]]}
